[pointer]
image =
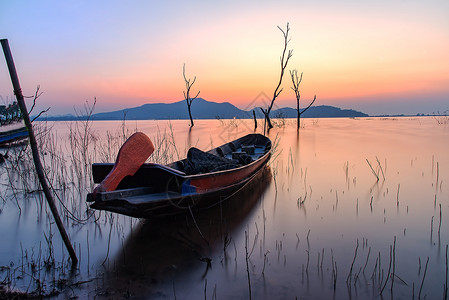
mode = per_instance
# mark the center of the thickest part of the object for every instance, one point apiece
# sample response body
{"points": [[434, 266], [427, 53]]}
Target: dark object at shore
{"points": [[11, 137], [255, 120], [200, 181]]}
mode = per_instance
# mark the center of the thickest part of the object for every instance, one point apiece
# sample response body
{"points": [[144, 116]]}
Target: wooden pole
{"points": [[34, 150]]}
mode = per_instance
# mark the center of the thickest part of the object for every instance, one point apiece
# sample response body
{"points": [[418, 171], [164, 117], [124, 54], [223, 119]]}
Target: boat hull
{"points": [[157, 191], [12, 136]]}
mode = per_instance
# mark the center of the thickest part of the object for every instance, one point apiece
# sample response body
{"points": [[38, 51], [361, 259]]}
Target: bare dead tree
{"points": [[187, 97], [296, 80], [286, 55], [255, 120]]}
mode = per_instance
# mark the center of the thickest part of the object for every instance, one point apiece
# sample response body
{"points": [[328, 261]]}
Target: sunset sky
{"points": [[380, 57]]}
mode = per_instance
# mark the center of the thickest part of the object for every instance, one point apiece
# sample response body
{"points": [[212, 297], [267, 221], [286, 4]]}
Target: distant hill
{"points": [[321, 111], [202, 109]]}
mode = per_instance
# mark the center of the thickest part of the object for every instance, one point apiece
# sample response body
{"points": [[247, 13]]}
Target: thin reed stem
{"points": [[388, 274], [372, 170], [247, 265], [445, 286], [394, 264], [424, 277], [352, 265], [367, 258]]}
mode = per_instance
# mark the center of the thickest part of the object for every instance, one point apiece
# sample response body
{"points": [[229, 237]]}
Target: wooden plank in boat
{"points": [[154, 197], [119, 194]]}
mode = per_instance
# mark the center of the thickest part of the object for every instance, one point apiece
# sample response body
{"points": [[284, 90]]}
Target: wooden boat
{"points": [[200, 181], [11, 136]]}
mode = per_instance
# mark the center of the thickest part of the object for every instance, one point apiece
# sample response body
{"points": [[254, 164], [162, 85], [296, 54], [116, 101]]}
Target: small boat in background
{"points": [[200, 181], [11, 134]]}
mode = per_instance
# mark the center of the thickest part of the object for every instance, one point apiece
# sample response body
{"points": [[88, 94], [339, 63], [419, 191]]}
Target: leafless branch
{"points": [[314, 98], [285, 57], [37, 94], [296, 80], [186, 93], [42, 112]]}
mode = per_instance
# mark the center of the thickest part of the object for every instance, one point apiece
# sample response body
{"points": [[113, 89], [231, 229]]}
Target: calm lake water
{"points": [[348, 208]]}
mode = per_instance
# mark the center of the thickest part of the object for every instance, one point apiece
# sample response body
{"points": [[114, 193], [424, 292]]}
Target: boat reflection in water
{"points": [[162, 253]]}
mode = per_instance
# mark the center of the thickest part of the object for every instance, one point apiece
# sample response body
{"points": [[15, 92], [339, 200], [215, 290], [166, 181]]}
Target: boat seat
{"points": [[249, 149], [220, 152], [167, 168], [242, 157]]}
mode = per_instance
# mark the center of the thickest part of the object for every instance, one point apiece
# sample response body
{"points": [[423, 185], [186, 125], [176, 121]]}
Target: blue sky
{"points": [[381, 57]]}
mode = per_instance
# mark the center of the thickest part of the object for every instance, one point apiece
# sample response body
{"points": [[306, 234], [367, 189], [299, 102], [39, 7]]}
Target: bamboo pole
{"points": [[34, 149]]}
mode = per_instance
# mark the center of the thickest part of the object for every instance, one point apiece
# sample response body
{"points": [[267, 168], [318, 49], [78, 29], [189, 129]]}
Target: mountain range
{"points": [[202, 109]]}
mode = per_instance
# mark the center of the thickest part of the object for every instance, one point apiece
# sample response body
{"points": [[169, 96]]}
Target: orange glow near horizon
{"points": [[346, 52]]}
